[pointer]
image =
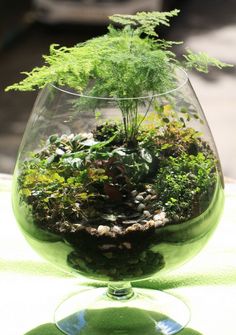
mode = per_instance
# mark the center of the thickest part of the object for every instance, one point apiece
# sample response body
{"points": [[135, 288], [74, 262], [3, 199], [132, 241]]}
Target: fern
{"points": [[146, 22], [121, 56], [201, 61], [122, 63]]}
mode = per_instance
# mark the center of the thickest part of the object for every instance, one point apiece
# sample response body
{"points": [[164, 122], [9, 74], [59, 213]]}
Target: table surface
{"points": [[31, 288]]}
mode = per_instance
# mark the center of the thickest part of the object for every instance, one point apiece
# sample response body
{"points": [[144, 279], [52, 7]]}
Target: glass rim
{"points": [[182, 84]]}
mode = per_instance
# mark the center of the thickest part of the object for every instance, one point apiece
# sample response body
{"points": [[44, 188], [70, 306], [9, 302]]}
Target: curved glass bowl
{"points": [[118, 189]]}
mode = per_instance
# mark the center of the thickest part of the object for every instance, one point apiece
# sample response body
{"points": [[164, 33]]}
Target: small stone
{"points": [[154, 197], [157, 217], [76, 227], [141, 207], [103, 230], [91, 231], [151, 223], [116, 229], [148, 198], [129, 222], [146, 213], [134, 193], [151, 191], [134, 227], [143, 222], [139, 197]]}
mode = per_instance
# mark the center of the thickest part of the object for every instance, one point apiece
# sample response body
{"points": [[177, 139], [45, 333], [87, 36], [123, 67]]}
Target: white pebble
{"points": [[141, 207], [116, 229], [148, 197], [139, 198], [103, 230], [146, 213], [134, 193], [160, 217]]}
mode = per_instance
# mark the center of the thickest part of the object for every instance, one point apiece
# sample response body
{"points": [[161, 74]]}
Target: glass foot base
{"points": [[94, 312]]}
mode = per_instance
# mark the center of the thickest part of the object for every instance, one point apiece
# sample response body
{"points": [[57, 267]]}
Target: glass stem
{"points": [[120, 290]]}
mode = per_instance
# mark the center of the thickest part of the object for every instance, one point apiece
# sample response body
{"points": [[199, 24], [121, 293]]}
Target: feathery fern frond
{"points": [[146, 22], [201, 61]]}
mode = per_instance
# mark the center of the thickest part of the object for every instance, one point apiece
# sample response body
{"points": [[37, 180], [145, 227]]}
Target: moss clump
{"points": [[185, 185]]}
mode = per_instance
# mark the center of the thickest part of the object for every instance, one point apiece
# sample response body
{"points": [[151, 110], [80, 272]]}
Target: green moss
{"points": [[185, 185]]}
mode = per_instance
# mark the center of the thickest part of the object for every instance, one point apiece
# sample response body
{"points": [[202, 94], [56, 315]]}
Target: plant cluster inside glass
{"points": [[118, 177]]}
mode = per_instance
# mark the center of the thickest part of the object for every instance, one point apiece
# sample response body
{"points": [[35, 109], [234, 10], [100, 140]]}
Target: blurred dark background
{"points": [[28, 27]]}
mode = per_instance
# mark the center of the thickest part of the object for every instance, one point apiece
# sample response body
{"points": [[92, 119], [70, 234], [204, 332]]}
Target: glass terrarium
{"points": [[118, 188]]}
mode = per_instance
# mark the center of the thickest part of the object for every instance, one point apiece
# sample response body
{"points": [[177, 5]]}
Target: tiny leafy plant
{"points": [[113, 193]]}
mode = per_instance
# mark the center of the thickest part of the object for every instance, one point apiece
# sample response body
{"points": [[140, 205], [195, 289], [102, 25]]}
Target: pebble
{"points": [[76, 227], [90, 230], [116, 229], [148, 197], [143, 222], [103, 230], [129, 222], [151, 191], [134, 227], [151, 223], [161, 216], [146, 213], [139, 197], [134, 193], [141, 207]]}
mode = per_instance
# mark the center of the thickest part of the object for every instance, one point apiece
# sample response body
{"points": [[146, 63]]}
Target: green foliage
{"points": [[145, 22], [127, 62], [123, 62], [121, 56], [185, 185], [73, 173], [173, 140], [201, 61]]}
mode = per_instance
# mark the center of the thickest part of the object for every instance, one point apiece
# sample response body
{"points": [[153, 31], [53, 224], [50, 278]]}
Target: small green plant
{"points": [[129, 61]]}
